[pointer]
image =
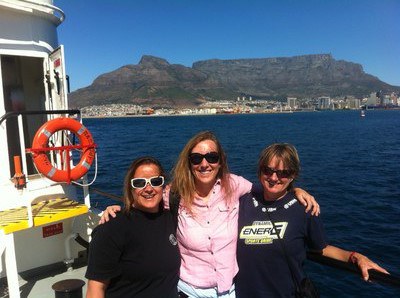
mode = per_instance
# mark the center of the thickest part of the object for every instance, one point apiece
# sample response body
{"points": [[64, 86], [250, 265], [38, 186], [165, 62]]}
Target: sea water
{"points": [[351, 164]]}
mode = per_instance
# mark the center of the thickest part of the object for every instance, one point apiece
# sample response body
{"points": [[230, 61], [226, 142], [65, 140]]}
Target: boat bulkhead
{"points": [[44, 224]]}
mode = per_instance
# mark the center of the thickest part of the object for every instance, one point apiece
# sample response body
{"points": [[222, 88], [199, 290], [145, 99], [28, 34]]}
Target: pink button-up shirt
{"points": [[207, 240]]}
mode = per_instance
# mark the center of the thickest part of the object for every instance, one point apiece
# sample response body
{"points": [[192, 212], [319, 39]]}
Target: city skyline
{"points": [[246, 105]]}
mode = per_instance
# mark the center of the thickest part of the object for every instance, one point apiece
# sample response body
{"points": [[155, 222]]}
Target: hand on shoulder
{"points": [[111, 211]]}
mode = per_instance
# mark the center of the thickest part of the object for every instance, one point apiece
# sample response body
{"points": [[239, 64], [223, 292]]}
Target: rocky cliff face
{"points": [[155, 82]]}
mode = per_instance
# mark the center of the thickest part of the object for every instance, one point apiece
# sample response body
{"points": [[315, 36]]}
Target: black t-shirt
{"points": [[263, 270], [138, 253]]}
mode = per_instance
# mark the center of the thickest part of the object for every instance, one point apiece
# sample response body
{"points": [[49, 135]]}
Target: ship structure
{"points": [[45, 155]]}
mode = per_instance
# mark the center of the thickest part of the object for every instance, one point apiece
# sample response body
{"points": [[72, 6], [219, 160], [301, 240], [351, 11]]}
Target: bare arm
{"points": [[362, 261], [110, 211], [307, 200], [96, 289], [114, 209]]}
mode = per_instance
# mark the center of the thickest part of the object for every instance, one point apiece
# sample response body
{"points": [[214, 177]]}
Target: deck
{"points": [[45, 212]]}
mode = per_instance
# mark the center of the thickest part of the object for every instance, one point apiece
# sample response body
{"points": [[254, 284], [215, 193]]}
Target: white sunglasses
{"points": [[155, 181]]}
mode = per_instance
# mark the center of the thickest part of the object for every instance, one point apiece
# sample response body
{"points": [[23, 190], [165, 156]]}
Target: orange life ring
{"points": [[40, 142]]}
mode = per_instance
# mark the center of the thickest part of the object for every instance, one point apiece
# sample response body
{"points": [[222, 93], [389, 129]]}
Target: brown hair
{"points": [[128, 194], [285, 152], [183, 182]]}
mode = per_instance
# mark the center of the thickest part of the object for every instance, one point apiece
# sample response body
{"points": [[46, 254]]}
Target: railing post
{"points": [[24, 165], [11, 265]]}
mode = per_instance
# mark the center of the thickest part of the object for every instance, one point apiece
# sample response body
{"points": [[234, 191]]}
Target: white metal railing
{"points": [[8, 249], [24, 166]]}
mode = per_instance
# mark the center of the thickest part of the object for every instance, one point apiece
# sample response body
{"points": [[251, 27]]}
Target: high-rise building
{"points": [[385, 100], [292, 103], [324, 102], [394, 99]]}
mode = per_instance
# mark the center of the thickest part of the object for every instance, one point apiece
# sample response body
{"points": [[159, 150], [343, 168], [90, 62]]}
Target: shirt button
{"points": [[208, 222], [212, 253], [209, 238], [215, 270]]}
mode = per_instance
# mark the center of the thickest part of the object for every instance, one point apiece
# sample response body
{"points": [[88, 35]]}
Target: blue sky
{"points": [[102, 35]]}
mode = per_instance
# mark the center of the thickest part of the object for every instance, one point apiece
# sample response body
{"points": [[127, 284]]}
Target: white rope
{"points": [[95, 174]]}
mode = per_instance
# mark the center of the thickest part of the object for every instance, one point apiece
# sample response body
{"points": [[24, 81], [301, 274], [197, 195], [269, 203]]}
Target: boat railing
{"points": [[21, 114], [51, 112], [21, 118], [20, 128]]}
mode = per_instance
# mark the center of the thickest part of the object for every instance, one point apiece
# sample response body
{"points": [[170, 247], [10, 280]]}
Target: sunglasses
{"points": [[155, 181], [197, 158], [279, 173]]}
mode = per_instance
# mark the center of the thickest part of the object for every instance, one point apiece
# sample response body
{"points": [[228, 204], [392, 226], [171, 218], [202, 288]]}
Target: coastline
{"points": [[191, 115], [230, 114]]}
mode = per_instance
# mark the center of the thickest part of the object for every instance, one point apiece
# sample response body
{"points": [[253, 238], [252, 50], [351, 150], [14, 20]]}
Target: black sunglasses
{"points": [[280, 173], [197, 158], [155, 181]]}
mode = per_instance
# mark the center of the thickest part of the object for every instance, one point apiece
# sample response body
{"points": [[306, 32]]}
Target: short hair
{"points": [[284, 152]]}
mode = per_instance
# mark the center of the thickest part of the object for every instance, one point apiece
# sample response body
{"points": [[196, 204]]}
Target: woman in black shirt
{"points": [[136, 255]]}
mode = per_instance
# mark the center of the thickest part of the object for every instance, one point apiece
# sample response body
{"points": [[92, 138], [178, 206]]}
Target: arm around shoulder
{"points": [[307, 200], [110, 211]]}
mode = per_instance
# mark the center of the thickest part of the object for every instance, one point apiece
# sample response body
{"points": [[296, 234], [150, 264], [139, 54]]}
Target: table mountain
{"points": [[155, 82]]}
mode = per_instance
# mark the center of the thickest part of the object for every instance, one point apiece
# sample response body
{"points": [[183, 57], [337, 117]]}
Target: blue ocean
{"points": [[351, 164]]}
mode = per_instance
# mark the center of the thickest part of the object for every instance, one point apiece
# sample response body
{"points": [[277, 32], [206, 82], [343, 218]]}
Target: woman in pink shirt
{"points": [[207, 217]]}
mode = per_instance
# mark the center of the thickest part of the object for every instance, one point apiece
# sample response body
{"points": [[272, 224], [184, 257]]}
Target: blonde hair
{"points": [[128, 194], [183, 181], [284, 152]]}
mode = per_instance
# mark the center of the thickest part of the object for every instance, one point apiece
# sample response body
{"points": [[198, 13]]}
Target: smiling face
{"points": [[205, 173], [148, 198], [275, 183], [278, 167]]}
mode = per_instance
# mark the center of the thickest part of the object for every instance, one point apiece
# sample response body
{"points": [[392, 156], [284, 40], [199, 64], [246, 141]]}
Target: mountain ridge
{"points": [[156, 82]]}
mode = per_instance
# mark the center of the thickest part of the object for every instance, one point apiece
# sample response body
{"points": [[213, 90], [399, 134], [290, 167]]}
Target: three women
{"points": [[207, 217]]}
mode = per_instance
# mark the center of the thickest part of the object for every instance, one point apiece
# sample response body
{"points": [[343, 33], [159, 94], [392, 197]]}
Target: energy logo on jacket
{"points": [[262, 232]]}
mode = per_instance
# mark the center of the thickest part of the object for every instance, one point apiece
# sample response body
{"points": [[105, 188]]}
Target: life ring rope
{"points": [[94, 176], [40, 148]]}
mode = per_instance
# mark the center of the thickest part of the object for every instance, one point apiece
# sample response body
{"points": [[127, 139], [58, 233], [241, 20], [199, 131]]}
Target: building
{"points": [[353, 103], [394, 99], [373, 100], [292, 103], [324, 102]]}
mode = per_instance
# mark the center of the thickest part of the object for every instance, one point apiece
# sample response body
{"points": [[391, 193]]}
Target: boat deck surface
{"points": [[38, 283], [40, 286], [45, 212]]}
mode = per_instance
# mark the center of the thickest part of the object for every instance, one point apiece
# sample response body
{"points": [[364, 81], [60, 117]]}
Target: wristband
{"points": [[352, 258]]}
